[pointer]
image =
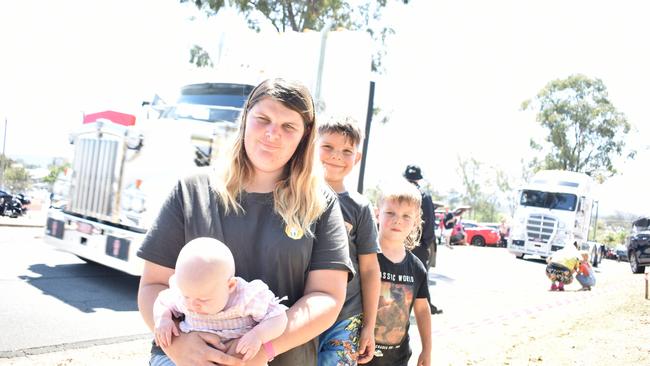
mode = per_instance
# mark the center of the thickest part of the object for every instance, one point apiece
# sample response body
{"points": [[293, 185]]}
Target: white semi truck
{"points": [[124, 168], [556, 208]]}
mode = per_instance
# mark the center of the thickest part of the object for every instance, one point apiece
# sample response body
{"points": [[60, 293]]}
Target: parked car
{"points": [[479, 235], [638, 246], [503, 242], [610, 253]]}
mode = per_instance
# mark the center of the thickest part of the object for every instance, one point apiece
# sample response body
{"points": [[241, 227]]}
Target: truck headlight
{"points": [[134, 141]]}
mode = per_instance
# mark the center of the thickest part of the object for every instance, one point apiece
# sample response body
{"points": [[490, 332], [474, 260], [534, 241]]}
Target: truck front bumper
{"points": [[98, 242]]}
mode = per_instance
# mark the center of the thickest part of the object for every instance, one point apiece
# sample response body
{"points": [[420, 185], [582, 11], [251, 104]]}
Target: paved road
{"points": [[52, 298]]}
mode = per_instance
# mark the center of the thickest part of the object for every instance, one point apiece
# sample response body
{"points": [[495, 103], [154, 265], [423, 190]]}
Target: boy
{"points": [[351, 338], [404, 286]]}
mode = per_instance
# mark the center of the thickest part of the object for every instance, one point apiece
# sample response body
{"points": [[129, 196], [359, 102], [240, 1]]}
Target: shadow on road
{"points": [[535, 260], [85, 286]]}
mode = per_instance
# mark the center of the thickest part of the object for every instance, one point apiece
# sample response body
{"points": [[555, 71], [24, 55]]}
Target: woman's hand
{"points": [[193, 349]]}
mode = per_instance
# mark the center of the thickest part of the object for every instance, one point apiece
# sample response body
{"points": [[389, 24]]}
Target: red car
{"points": [[480, 235]]}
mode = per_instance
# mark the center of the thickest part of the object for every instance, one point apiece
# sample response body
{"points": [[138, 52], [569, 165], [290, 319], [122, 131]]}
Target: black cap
{"points": [[413, 172]]}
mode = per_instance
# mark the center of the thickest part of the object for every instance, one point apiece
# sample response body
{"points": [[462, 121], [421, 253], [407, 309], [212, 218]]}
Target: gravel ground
{"points": [[604, 327], [588, 334]]}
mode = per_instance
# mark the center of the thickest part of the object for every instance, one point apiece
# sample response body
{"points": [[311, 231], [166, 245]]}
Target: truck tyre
{"points": [[634, 264], [594, 258], [519, 256]]}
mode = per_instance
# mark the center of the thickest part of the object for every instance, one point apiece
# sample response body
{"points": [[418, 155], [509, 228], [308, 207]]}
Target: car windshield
{"points": [[550, 200], [641, 224]]}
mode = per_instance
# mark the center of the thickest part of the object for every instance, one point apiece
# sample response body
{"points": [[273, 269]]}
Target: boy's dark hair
{"points": [[345, 125]]}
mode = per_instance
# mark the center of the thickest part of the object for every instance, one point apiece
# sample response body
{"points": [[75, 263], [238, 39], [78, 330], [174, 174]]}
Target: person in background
{"points": [[352, 338], [427, 247], [562, 265], [458, 235], [447, 224], [404, 284], [504, 230], [585, 274], [279, 219]]}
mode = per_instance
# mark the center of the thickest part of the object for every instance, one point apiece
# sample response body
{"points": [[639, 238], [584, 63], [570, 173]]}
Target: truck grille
{"points": [[95, 182], [540, 228]]}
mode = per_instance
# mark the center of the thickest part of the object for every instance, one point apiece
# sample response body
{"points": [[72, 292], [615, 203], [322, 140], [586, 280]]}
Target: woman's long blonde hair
{"points": [[404, 192], [298, 195]]}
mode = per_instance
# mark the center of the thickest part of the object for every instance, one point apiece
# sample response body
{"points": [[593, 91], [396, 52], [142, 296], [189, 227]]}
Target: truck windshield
{"points": [[550, 200], [203, 113], [210, 102]]}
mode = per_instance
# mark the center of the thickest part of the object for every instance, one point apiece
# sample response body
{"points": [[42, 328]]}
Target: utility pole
{"points": [[4, 157]]}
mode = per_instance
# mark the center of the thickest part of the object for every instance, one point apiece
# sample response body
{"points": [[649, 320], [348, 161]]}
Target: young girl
{"points": [[206, 294], [585, 273], [404, 285]]}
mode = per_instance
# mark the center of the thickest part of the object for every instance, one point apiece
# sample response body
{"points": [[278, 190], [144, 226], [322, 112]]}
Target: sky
{"points": [[456, 75]]}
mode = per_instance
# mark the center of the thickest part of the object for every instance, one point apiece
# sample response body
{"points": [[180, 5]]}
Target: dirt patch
{"points": [[598, 328]]}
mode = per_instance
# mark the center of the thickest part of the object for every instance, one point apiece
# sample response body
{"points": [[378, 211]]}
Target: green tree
{"points": [[479, 190], [17, 179], [299, 15], [585, 131], [5, 162], [56, 167], [200, 57], [506, 187]]}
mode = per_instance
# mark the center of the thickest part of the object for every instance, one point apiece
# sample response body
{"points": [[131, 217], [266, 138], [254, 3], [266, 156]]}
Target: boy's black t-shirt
{"points": [[362, 234], [401, 284]]}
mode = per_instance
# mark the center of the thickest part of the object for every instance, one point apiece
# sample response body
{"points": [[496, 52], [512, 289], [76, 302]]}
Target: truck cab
{"points": [[123, 169], [556, 208]]}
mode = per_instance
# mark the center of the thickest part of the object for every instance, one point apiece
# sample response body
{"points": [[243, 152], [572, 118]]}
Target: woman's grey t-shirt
{"points": [[258, 240], [362, 233]]}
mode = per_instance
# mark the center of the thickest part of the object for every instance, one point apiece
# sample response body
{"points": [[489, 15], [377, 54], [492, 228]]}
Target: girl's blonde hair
{"points": [[404, 192], [298, 195]]}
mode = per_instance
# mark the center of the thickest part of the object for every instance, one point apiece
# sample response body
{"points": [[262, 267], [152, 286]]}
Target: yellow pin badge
{"points": [[294, 232]]}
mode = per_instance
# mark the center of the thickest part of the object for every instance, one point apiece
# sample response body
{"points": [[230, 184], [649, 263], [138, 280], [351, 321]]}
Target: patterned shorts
{"points": [[558, 272], [339, 345]]}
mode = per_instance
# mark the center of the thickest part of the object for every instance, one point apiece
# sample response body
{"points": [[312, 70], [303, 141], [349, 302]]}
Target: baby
{"points": [[205, 293]]}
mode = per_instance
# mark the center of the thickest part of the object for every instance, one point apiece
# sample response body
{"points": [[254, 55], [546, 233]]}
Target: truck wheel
{"points": [[594, 260], [519, 256], [478, 241], [634, 264]]}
